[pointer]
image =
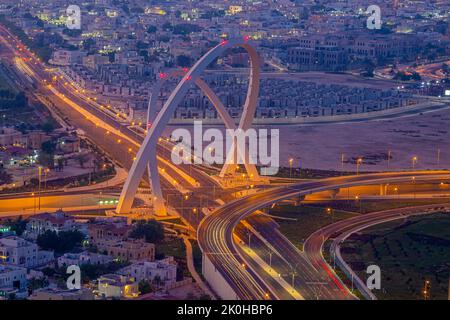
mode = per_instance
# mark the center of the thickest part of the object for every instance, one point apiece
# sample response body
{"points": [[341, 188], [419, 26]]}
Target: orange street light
{"points": [[290, 167], [414, 162]]}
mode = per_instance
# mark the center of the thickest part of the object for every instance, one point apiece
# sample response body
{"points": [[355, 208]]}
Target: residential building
{"points": [[128, 250], [12, 278], [82, 258], [19, 252], [39, 224], [29, 140], [99, 232], [165, 271], [117, 286], [6, 231], [62, 294]]}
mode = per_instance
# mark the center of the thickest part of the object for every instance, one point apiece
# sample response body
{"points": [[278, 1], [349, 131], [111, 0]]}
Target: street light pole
{"points": [[330, 212], [290, 168], [389, 158], [358, 163], [414, 161], [39, 187], [270, 258]]}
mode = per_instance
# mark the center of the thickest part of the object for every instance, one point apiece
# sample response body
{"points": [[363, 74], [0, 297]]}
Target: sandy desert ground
{"points": [[320, 146]]}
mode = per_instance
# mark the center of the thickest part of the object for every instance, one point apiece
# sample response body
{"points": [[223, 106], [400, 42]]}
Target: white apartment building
{"points": [[61, 294], [82, 258], [165, 270], [41, 223], [12, 277], [22, 253], [117, 286]]}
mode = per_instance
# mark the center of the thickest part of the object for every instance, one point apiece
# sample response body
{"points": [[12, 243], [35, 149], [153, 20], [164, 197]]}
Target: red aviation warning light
{"points": [[223, 42], [162, 75]]}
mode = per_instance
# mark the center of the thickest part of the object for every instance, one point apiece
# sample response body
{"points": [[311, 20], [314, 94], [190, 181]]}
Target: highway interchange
{"points": [[221, 235]]}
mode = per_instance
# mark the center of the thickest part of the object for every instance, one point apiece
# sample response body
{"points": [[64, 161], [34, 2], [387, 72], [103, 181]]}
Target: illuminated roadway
{"points": [[314, 243], [215, 232], [86, 114]]}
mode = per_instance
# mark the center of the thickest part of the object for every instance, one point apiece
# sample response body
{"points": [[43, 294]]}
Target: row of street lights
{"points": [[359, 161]]}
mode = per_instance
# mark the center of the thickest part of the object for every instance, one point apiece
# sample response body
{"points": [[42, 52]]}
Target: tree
{"points": [[48, 147], [5, 177], [151, 231], [48, 240], [63, 241], [185, 28], [184, 61], [415, 76], [17, 225], [142, 45], [82, 158], [145, 287], [72, 32], [152, 29], [60, 162], [167, 26], [48, 126], [89, 44], [47, 159], [37, 283]]}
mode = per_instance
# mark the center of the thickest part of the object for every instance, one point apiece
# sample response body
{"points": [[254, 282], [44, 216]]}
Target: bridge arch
{"points": [[147, 152]]}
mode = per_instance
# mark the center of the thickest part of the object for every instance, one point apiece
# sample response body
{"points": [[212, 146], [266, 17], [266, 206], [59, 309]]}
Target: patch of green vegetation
{"points": [[174, 247], [74, 181], [40, 44], [197, 255], [10, 98], [304, 173], [366, 206], [304, 220], [152, 231], [60, 242], [171, 247], [89, 272], [408, 253], [17, 225], [4, 83]]}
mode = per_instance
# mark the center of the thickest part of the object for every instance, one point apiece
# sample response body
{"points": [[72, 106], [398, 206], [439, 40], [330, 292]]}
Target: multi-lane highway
{"points": [[110, 132], [341, 230], [218, 232], [215, 233]]}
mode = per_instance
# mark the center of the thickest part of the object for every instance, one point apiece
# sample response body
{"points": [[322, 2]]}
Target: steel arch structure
{"points": [[147, 152]]}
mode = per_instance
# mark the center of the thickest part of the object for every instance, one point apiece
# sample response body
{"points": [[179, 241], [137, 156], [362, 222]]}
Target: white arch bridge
{"points": [[147, 153]]}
